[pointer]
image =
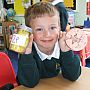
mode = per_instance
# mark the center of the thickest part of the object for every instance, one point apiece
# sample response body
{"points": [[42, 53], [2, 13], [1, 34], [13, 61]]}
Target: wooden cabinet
{"points": [[8, 28], [2, 38], [2, 42]]}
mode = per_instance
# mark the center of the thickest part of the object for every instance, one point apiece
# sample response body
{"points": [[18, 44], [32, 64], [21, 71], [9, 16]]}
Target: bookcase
{"points": [[2, 41], [7, 29], [2, 38]]}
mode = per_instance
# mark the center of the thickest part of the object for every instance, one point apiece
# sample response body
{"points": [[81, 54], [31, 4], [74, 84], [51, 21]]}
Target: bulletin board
{"points": [[70, 4], [18, 7]]}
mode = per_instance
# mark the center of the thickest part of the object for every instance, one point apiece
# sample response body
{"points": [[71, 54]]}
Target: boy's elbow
{"points": [[72, 77], [30, 85]]}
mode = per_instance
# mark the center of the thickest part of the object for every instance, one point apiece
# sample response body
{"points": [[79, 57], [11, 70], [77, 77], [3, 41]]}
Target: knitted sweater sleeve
{"points": [[28, 74], [70, 65]]}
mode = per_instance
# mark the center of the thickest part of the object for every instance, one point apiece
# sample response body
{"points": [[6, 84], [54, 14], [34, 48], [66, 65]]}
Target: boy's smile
{"points": [[45, 32]]}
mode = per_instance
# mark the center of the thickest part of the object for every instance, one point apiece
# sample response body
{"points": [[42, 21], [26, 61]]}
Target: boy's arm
{"points": [[70, 65], [28, 74]]}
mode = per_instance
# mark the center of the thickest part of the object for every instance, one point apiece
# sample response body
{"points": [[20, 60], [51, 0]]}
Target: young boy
{"points": [[47, 52]]}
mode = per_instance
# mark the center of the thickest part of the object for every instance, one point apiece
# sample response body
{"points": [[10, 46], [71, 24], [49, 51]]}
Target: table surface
{"points": [[59, 83]]}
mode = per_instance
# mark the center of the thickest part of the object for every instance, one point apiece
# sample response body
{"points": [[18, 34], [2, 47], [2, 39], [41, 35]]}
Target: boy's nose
{"points": [[46, 33]]}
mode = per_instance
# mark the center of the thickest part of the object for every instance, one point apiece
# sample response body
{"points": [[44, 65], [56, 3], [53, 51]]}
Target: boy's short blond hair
{"points": [[38, 10]]}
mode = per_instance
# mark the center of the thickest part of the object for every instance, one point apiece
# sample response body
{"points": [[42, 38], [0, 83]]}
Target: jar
{"points": [[20, 40]]}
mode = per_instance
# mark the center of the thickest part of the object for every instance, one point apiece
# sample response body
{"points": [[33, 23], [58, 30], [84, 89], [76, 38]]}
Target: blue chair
{"points": [[87, 24]]}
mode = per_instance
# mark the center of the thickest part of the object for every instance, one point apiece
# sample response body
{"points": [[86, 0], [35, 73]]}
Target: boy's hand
{"points": [[62, 42], [29, 47]]}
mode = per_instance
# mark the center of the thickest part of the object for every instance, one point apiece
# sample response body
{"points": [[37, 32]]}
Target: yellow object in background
{"points": [[44, 0], [69, 3], [18, 7], [33, 1]]}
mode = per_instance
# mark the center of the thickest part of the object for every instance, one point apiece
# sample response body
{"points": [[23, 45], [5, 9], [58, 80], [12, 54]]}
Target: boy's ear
{"points": [[59, 26], [58, 34]]}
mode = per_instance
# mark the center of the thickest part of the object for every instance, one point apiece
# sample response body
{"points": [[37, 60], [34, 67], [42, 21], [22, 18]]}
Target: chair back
{"points": [[7, 74]]}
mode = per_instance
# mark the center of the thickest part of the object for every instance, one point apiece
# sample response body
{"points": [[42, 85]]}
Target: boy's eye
{"points": [[39, 29], [53, 28]]}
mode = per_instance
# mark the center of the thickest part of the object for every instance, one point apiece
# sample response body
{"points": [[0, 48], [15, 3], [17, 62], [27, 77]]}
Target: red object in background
{"points": [[7, 75], [85, 53], [88, 8]]}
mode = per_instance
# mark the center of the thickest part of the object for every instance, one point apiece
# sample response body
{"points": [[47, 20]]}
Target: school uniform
{"points": [[32, 67], [63, 13]]}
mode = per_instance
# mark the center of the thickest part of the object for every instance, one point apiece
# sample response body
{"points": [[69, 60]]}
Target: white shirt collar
{"points": [[56, 1], [55, 54]]}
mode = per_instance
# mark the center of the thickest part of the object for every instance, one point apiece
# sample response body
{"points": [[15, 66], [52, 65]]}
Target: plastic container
{"points": [[20, 40]]}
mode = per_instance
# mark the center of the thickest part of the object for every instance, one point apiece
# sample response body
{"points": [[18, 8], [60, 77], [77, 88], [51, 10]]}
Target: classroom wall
{"points": [[20, 19], [80, 14]]}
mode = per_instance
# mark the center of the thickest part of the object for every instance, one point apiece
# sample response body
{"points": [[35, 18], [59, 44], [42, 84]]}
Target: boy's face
{"points": [[45, 31]]}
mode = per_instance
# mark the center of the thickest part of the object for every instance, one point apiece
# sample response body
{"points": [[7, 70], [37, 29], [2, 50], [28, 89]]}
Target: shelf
{"points": [[1, 35], [1, 45], [2, 38], [7, 27]]}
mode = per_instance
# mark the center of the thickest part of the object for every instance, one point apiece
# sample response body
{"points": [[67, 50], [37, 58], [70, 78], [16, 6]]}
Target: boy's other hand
{"points": [[29, 47], [62, 42]]}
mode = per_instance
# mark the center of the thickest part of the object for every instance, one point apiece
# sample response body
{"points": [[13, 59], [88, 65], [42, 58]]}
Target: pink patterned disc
{"points": [[76, 39]]}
